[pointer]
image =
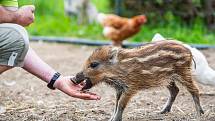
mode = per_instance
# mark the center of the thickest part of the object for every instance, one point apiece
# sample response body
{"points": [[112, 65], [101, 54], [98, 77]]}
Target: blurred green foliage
{"points": [[52, 21]]}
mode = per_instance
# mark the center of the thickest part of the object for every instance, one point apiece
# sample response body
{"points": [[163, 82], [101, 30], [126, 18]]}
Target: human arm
{"points": [[7, 16], [23, 16], [36, 66]]}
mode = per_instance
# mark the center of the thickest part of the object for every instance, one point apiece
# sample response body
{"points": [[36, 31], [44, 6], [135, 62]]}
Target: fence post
{"points": [[118, 5]]}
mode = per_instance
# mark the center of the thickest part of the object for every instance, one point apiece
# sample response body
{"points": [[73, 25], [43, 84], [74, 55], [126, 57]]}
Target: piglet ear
{"points": [[113, 54]]}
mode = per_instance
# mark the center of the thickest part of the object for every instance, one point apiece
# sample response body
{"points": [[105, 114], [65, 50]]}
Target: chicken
{"points": [[118, 28], [203, 72]]}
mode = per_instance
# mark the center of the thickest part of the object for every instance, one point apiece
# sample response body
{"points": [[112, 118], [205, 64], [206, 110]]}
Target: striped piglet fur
{"points": [[155, 64]]}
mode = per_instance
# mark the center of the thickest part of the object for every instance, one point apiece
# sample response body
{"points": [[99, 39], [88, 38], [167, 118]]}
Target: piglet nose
{"points": [[78, 78]]}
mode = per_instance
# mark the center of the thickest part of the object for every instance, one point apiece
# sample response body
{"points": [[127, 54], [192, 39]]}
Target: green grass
{"points": [[196, 33], [51, 21]]}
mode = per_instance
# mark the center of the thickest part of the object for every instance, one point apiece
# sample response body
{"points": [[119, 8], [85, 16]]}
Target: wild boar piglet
{"points": [[155, 64]]}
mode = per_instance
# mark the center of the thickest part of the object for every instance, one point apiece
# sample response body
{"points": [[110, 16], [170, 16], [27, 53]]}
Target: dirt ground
{"points": [[24, 97]]}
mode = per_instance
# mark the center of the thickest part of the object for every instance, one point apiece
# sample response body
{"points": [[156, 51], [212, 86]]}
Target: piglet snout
{"points": [[88, 84], [79, 77]]}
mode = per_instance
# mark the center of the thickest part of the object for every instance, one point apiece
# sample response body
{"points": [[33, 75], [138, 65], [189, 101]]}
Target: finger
{"points": [[87, 96], [33, 17], [79, 86], [30, 20], [32, 7], [91, 93], [83, 96]]}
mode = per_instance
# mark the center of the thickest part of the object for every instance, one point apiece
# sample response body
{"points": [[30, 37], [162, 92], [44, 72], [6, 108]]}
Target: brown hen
{"points": [[118, 28]]}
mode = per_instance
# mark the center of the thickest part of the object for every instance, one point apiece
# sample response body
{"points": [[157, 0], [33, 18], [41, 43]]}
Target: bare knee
{"points": [[16, 44]]}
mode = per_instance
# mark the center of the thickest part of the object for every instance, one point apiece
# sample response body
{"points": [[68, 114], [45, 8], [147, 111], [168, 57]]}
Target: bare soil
{"points": [[24, 97]]}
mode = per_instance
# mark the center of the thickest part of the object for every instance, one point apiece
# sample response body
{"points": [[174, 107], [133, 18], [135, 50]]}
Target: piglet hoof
{"points": [[164, 111], [115, 120], [201, 112]]}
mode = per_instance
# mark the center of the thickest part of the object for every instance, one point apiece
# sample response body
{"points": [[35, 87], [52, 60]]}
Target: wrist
{"points": [[57, 83], [8, 16], [54, 79], [16, 17]]}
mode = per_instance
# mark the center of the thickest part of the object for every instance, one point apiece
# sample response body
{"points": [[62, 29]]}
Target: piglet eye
{"points": [[94, 64]]}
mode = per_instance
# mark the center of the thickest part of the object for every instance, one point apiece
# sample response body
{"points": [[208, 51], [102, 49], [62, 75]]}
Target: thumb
{"points": [[32, 8]]}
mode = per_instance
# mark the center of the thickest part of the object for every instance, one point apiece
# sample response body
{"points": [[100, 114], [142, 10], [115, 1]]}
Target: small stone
{"points": [[9, 83], [2, 109], [40, 102]]}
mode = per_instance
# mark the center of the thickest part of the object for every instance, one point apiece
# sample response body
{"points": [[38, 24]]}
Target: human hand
{"points": [[25, 15], [66, 85]]}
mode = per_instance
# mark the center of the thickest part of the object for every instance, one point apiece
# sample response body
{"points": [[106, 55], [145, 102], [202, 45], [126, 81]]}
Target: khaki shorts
{"points": [[14, 44]]}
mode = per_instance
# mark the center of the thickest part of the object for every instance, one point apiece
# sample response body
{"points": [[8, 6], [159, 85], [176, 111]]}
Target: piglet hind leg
{"points": [[187, 81], [195, 95], [173, 89]]}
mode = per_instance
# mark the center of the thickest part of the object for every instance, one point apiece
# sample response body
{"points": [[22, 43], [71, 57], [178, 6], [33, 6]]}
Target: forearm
{"points": [[7, 16], [38, 67]]}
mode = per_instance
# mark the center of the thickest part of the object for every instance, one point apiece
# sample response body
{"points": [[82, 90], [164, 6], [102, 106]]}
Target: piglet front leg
{"points": [[122, 102], [118, 95]]}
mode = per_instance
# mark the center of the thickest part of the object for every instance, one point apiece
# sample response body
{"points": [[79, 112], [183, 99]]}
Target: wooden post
{"points": [[118, 7]]}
